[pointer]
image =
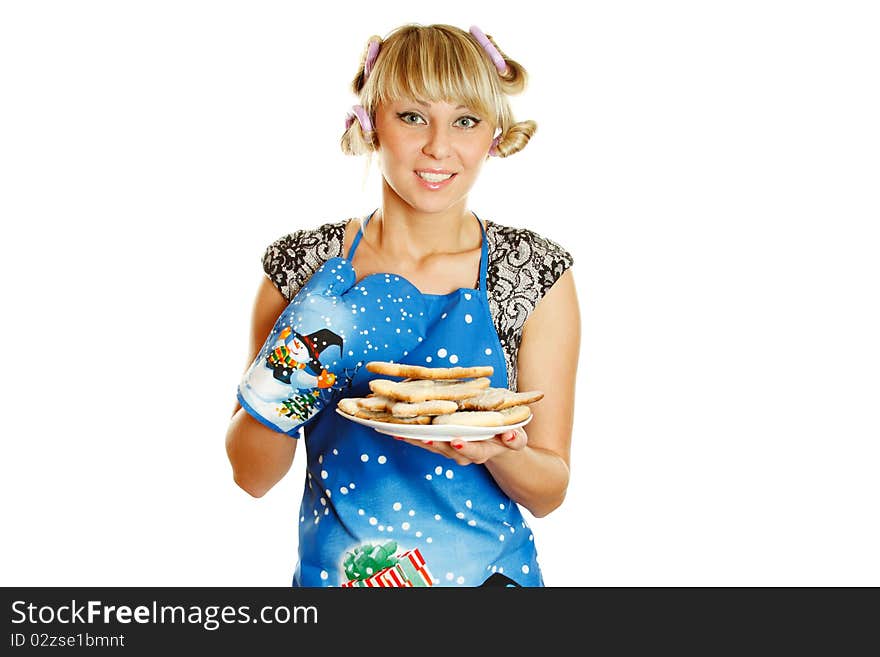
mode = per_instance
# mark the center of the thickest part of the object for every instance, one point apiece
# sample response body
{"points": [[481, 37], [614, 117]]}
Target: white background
{"points": [[712, 166]]}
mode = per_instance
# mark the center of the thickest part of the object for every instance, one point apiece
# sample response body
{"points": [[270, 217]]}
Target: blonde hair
{"points": [[439, 63]]}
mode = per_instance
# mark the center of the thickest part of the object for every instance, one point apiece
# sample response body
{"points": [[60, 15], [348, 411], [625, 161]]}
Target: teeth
{"points": [[434, 177]]}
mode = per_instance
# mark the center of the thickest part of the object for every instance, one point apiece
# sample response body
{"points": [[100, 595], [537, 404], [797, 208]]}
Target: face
{"points": [[438, 136], [298, 350]]}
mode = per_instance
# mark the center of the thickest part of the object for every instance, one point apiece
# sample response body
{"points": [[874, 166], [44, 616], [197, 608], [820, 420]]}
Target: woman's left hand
{"points": [[465, 452]]}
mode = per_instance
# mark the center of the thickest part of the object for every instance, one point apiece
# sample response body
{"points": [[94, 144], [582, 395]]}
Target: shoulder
{"points": [[527, 252], [290, 260], [323, 241]]}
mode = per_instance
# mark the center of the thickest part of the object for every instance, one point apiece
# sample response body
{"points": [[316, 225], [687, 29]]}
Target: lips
{"points": [[434, 185], [440, 175]]}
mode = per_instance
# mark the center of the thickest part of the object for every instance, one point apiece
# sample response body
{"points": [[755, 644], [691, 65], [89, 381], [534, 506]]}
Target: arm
{"points": [[260, 457], [536, 476]]}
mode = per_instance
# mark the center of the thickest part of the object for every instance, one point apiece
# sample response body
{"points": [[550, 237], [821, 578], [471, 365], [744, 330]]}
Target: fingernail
{"points": [[512, 436], [458, 445], [397, 438], [429, 442]]}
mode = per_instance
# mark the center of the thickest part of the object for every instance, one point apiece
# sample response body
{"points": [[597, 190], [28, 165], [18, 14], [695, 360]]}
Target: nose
{"points": [[438, 142]]}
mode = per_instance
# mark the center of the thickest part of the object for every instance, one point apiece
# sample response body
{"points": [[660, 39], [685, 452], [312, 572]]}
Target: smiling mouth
{"points": [[435, 177]]}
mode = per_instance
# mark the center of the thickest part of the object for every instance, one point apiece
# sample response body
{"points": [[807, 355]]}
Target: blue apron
{"points": [[379, 512]]}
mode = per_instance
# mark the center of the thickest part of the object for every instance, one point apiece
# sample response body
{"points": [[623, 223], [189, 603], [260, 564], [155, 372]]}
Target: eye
{"points": [[474, 121], [403, 115]]}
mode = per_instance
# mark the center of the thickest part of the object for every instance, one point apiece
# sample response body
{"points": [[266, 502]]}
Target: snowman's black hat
{"points": [[317, 342]]}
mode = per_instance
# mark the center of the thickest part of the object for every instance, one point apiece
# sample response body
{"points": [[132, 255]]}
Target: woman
{"points": [[432, 99]]}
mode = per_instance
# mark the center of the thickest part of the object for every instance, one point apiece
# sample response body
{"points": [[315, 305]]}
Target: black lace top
{"points": [[522, 267]]}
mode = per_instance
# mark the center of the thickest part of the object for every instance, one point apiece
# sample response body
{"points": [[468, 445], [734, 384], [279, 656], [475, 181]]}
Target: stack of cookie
{"points": [[439, 395]]}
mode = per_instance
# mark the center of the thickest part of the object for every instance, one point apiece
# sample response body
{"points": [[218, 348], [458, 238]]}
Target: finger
{"points": [[514, 439], [466, 452], [444, 448], [416, 442], [437, 447]]}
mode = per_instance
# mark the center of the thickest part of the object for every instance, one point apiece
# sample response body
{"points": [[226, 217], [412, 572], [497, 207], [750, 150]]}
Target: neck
{"points": [[407, 235]]}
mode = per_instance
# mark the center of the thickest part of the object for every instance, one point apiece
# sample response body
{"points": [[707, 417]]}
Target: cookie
{"points": [[431, 373], [471, 418], [379, 404], [351, 407], [430, 407], [504, 417], [515, 414], [375, 403], [495, 399], [419, 390], [393, 419]]}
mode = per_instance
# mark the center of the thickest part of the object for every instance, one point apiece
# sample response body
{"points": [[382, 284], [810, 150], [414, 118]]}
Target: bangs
{"points": [[435, 66]]}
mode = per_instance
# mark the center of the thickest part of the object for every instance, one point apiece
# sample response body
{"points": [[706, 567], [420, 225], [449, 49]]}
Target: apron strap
{"points": [[484, 248], [357, 237], [484, 256]]}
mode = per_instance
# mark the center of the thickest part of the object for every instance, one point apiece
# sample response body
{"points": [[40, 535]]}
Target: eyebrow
{"points": [[426, 105]]}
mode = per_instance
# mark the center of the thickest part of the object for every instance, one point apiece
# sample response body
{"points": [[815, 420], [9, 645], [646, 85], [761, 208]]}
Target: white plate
{"points": [[445, 432]]}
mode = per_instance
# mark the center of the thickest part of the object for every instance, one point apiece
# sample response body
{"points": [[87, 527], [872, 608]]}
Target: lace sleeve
{"points": [[523, 266], [291, 260], [554, 261]]}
